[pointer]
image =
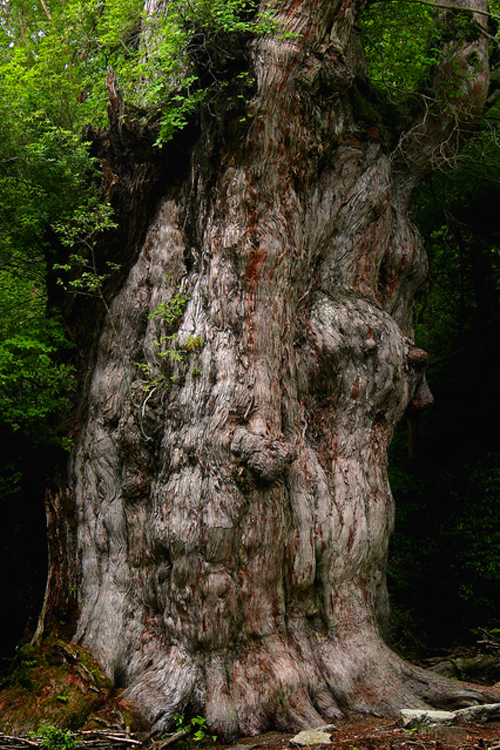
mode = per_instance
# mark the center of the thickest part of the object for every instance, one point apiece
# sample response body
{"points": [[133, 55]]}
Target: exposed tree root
{"points": [[442, 692], [270, 685]]}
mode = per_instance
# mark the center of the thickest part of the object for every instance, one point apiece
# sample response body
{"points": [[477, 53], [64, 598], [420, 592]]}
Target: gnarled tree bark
{"points": [[229, 489]]}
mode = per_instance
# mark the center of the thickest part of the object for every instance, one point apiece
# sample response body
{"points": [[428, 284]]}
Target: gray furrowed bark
{"points": [[232, 504]]}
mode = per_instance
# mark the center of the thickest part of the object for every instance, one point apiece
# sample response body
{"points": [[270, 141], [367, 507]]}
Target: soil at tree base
{"points": [[360, 732], [354, 732]]}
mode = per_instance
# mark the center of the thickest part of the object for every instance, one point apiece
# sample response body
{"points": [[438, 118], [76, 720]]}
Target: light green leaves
{"points": [[401, 43], [34, 382]]}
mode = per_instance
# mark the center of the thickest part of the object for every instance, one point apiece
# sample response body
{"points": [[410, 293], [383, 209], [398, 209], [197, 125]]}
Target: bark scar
{"points": [[267, 458]]}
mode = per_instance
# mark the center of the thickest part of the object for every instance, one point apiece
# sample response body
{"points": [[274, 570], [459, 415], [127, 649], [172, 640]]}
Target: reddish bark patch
{"points": [[373, 133], [257, 259], [355, 390]]}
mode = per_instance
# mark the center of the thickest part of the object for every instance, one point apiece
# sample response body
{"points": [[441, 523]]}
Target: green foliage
{"points": [[47, 182], [168, 341], [166, 346], [22, 672], [35, 383], [167, 61], [196, 729], [45, 171], [80, 273], [401, 43], [53, 738], [187, 53], [172, 310], [52, 81], [192, 343], [404, 43], [53, 70], [168, 363]]}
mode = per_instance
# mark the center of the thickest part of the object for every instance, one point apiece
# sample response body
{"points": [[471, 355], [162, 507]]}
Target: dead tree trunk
{"points": [[229, 490]]}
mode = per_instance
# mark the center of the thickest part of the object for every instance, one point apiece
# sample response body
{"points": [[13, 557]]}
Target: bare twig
{"points": [[7, 740], [160, 744], [46, 11]]}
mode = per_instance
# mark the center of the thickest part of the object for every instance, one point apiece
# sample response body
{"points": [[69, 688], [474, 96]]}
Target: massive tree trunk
{"points": [[228, 489]]}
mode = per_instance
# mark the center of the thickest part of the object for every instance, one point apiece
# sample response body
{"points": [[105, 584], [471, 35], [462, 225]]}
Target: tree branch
{"points": [[460, 90], [444, 6], [46, 11]]}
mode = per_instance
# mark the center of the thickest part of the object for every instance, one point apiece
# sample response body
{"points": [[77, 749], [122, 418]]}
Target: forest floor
{"points": [[360, 732], [354, 732]]}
